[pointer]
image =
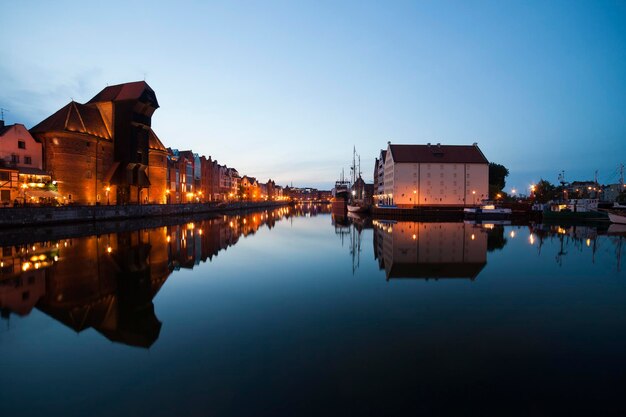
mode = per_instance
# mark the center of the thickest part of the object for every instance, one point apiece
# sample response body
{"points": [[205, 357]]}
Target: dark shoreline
{"points": [[31, 216]]}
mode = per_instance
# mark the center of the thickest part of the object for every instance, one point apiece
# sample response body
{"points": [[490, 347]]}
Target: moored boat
{"points": [[354, 207], [487, 211], [575, 210], [617, 217]]}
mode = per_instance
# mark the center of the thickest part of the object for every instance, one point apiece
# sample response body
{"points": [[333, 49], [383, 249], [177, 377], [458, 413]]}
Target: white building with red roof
{"points": [[435, 175]]}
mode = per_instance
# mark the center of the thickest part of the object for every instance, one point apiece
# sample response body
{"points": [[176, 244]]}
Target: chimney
{"points": [[438, 145], [1, 124], [475, 144], [428, 144], [388, 142]]}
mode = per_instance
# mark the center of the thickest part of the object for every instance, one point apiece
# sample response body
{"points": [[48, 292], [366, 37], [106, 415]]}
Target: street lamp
{"points": [[24, 187], [108, 189]]}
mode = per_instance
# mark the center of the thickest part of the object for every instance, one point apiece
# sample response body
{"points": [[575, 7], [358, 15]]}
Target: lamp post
{"points": [[24, 187], [474, 197], [108, 189]]}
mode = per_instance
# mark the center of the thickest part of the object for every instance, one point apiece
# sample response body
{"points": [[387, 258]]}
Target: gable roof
{"points": [[465, 154], [128, 91], [155, 143], [75, 117]]}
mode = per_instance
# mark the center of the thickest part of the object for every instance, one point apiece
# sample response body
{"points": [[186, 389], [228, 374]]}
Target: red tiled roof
{"points": [[126, 91], [464, 154], [75, 117]]}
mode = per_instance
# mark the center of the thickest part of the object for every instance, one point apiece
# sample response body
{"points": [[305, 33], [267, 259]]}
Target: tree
{"points": [[545, 191], [497, 178]]}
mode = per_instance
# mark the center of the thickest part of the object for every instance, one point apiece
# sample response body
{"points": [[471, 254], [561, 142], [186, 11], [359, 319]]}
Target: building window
{"points": [[15, 159], [21, 144], [28, 160]]}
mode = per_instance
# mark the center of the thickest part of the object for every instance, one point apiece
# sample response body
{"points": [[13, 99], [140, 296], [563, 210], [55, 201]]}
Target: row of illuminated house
{"points": [[105, 152]]}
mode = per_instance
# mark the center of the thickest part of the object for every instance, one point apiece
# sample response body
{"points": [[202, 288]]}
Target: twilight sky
{"points": [[283, 90]]}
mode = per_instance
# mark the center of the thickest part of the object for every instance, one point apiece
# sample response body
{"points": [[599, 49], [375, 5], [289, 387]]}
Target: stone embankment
{"points": [[31, 216]]}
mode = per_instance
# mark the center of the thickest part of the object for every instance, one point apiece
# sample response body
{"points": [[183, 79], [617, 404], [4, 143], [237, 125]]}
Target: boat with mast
{"points": [[359, 201], [341, 194]]}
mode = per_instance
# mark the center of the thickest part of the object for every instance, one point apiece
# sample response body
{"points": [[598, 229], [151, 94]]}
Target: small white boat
{"points": [[619, 218], [356, 208], [487, 209]]}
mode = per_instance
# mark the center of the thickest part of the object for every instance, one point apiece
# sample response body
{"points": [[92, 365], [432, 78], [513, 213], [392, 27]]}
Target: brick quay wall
{"points": [[32, 216]]}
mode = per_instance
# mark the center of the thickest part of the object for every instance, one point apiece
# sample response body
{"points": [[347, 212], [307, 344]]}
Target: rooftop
{"points": [[466, 154]]}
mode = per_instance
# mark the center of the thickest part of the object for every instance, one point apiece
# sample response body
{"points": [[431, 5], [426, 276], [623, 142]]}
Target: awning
{"points": [[32, 171], [33, 192]]}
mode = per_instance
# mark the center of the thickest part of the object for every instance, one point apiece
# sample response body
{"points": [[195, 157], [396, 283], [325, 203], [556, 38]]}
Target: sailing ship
{"points": [[341, 194], [359, 201]]}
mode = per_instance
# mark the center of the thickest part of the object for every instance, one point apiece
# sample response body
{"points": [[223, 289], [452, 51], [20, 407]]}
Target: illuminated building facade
{"points": [[103, 151], [21, 175], [434, 175]]}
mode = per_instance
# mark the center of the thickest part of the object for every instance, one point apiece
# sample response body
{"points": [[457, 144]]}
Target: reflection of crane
{"points": [[562, 252], [355, 247], [341, 227], [618, 251]]}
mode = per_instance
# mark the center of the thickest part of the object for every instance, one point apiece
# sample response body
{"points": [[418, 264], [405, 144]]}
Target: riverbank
{"points": [[451, 213], [34, 216]]}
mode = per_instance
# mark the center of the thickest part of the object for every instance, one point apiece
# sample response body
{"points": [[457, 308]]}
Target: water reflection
{"points": [[108, 282], [574, 239], [430, 250]]}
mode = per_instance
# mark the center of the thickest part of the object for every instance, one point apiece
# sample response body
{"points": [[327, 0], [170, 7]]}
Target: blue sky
{"points": [[283, 90]]}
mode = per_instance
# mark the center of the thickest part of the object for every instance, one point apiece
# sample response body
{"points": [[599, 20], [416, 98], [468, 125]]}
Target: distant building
{"points": [[250, 188], [105, 150], [379, 174], [434, 175], [583, 189], [612, 191], [21, 173]]}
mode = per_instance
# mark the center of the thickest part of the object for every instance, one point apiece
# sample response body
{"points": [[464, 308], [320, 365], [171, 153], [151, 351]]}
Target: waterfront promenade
{"points": [[27, 216]]}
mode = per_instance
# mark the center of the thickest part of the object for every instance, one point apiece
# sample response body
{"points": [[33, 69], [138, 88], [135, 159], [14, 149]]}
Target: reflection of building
{"points": [[108, 282], [430, 250], [434, 175]]}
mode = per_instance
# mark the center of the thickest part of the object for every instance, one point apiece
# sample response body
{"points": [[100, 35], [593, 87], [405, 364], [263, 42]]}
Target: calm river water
{"points": [[293, 312]]}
